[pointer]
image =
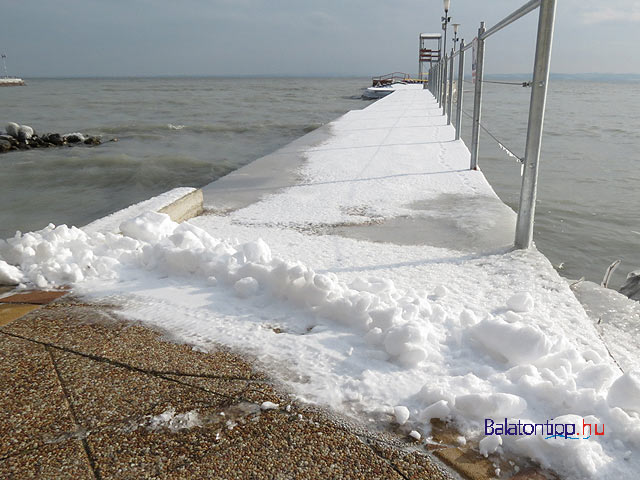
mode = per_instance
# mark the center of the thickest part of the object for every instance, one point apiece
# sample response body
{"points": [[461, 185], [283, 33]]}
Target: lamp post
{"points": [[445, 20], [455, 34]]}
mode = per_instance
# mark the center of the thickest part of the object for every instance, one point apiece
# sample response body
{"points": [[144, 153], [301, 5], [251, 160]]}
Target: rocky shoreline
{"points": [[23, 137]]}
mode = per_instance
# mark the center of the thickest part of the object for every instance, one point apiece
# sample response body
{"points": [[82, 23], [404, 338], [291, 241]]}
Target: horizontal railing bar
{"points": [[521, 12]]}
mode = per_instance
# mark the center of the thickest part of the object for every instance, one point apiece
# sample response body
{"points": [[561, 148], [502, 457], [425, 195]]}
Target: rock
{"points": [[12, 129], [631, 287], [74, 138], [54, 139], [25, 133], [23, 137], [5, 145], [10, 139]]}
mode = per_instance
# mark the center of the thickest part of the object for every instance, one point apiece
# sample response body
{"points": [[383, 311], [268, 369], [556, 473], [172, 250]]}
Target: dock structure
{"points": [[395, 165]]}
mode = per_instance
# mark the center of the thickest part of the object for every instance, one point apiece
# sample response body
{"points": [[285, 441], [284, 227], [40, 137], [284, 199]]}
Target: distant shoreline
{"points": [[593, 77]]}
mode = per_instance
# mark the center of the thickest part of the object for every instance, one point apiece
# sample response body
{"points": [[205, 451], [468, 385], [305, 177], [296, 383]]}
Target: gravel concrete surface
{"points": [[83, 390]]}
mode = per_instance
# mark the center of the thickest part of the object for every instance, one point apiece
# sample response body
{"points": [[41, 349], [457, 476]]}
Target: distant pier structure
{"points": [[6, 80], [428, 54]]}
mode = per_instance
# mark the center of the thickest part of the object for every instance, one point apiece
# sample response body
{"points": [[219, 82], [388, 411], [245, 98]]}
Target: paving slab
{"points": [[39, 297], [11, 312], [68, 325], [145, 349], [65, 460], [101, 393], [33, 409]]}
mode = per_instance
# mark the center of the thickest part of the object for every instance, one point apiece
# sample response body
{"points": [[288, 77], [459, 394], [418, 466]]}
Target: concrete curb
{"points": [[189, 206]]}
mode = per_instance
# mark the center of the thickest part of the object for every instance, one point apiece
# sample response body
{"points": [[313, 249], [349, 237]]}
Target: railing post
{"points": [[450, 99], [440, 84], [444, 85], [546, 21], [460, 90], [439, 76], [430, 79], [477, 100]]}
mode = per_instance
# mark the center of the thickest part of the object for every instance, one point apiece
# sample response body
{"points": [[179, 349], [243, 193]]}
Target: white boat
{"points": [[379, 92], [8, 81], [11, 82], [385, 84]]}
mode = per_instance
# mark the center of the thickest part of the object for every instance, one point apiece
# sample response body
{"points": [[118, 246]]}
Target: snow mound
{"points": [[514, 343], [9, 275], [625, 392]]}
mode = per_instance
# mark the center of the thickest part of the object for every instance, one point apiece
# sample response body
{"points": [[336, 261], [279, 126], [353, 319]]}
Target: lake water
{"points": [[190, 131]]}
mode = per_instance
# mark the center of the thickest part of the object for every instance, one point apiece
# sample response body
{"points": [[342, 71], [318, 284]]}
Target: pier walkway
{"points": [[391, 172]]}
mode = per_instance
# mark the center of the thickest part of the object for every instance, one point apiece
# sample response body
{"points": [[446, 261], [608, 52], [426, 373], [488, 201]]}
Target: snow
{"points": [[9, 275], [111, 223], [168, 419], [269, 406], [625, 392], [489, 444], [454, 325]]}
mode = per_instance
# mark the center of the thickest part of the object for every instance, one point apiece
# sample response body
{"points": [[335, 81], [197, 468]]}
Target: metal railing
{"points": [[441, 81]]}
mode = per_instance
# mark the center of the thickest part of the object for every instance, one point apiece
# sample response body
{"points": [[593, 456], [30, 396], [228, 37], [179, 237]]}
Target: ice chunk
{"points": [[440, 291], [269, 406], [149, 227], [439, 409], [625, 392], [402, 414], [489, 444], [486, 405], [246, 287], [9, 275], [511, 342], [257, 252], [521, 302]]}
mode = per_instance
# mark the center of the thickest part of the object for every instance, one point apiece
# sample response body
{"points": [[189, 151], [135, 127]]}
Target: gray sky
{"points": [[295, 37]]}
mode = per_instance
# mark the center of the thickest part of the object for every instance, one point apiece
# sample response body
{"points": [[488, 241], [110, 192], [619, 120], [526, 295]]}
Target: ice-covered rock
{"points": [[12, 129], [25, 133]]}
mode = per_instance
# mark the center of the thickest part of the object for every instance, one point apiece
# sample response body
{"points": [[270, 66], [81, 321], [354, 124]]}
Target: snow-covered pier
{"points": [[372, 271]]}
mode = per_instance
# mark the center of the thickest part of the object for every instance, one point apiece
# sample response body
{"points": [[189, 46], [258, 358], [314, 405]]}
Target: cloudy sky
{"points": [[295, 37]]}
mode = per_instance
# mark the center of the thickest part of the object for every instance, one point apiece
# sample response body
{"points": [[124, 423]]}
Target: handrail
{"points": [[440, 78], [521, 12]]}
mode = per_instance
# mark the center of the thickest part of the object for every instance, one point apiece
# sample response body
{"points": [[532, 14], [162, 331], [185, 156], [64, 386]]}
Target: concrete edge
{"points": [[189, 206]]}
